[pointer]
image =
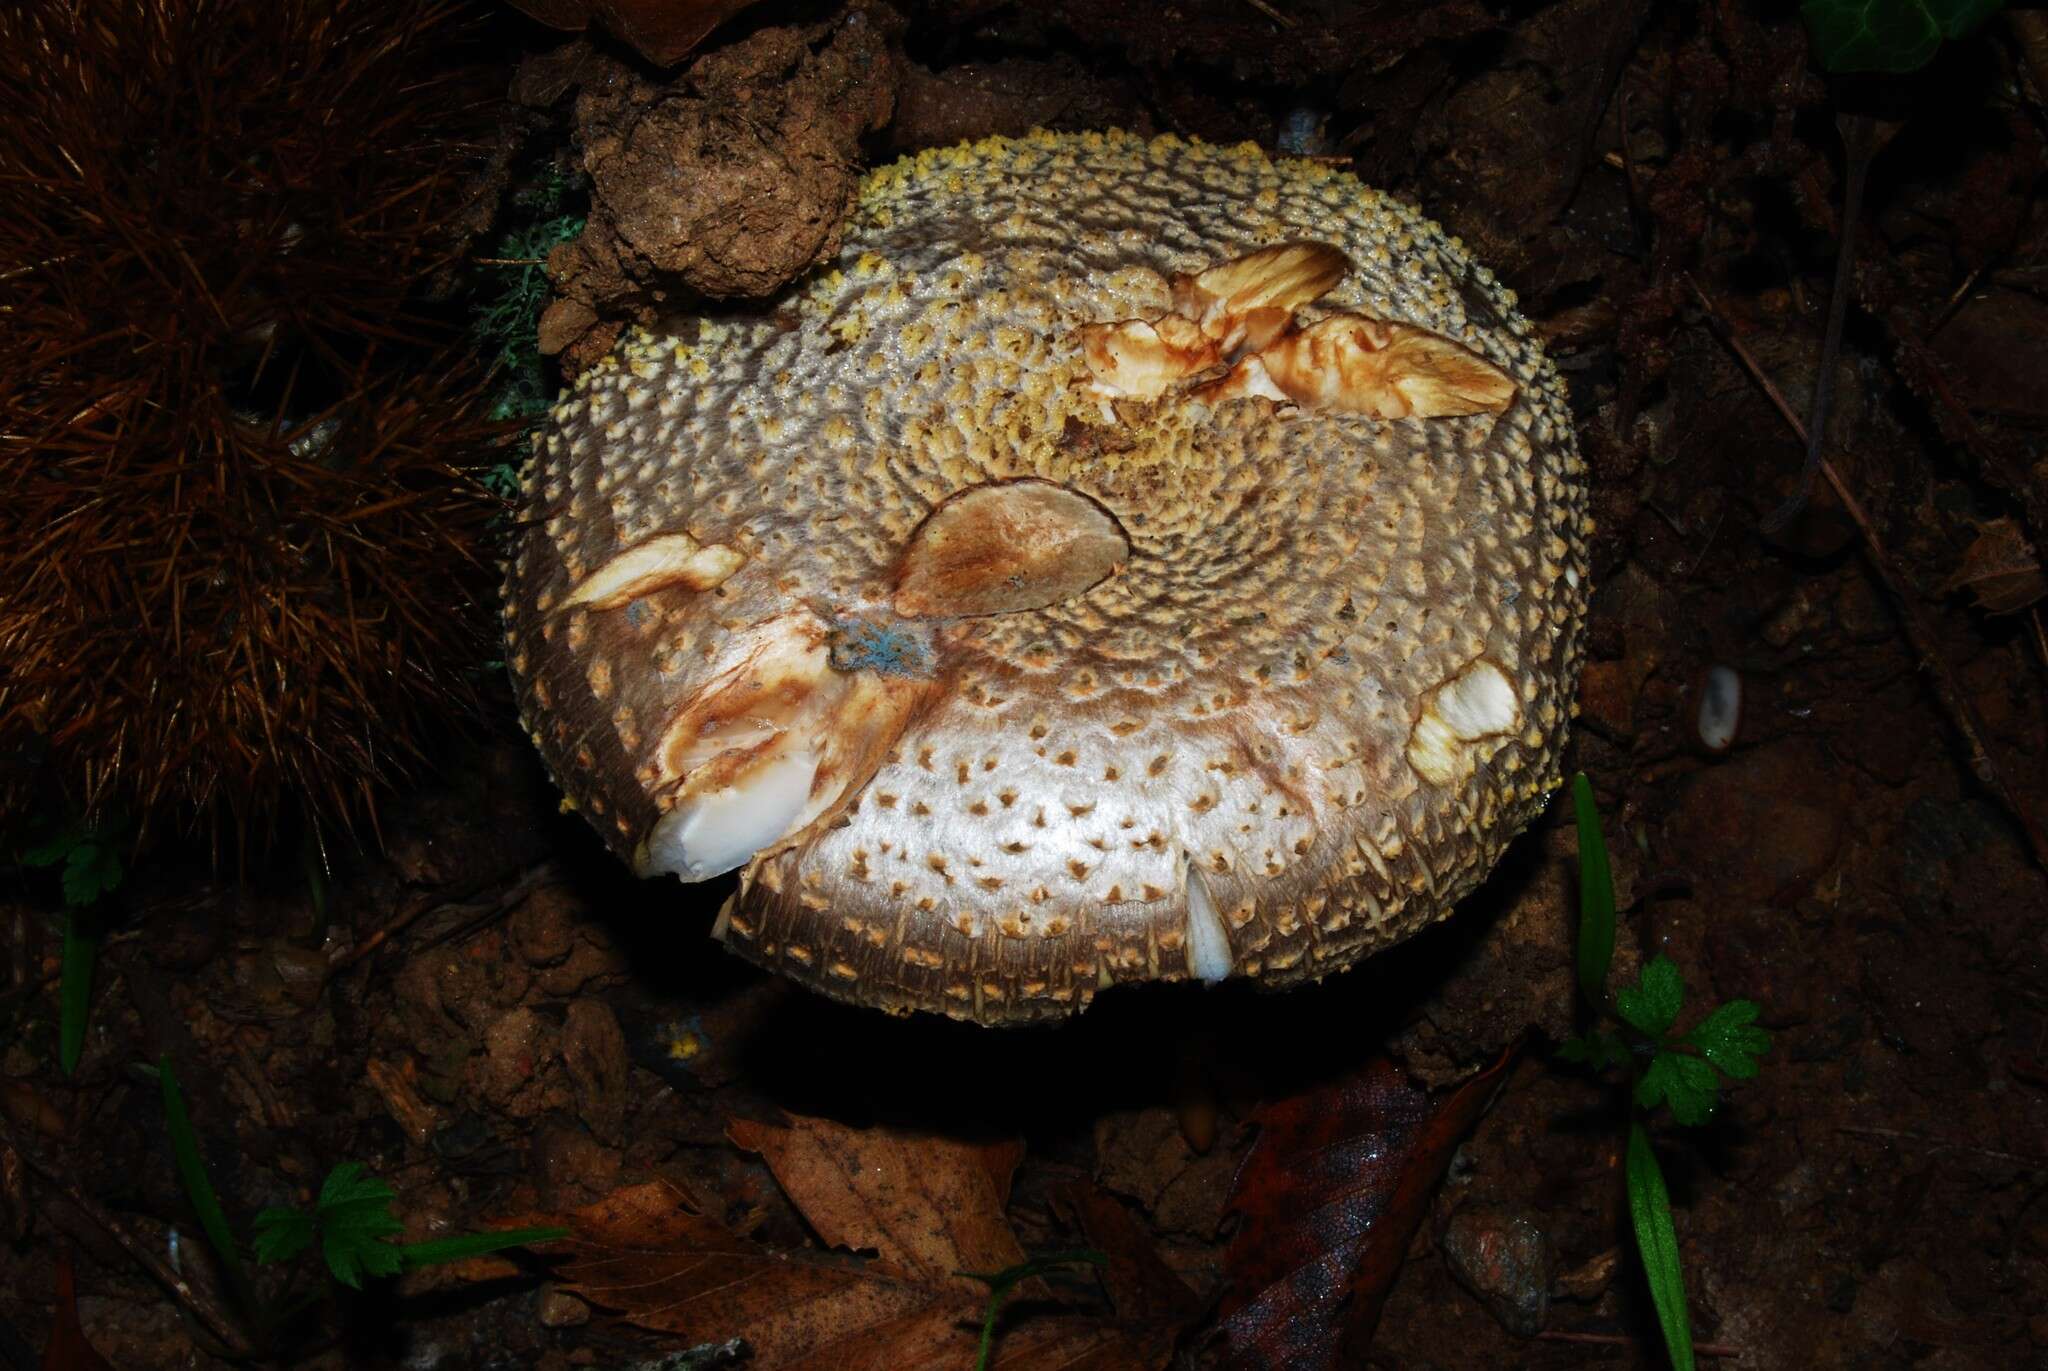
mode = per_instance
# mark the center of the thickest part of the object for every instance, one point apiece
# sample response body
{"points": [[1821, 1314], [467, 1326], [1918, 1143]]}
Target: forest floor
{"points": [[491, 1015]]}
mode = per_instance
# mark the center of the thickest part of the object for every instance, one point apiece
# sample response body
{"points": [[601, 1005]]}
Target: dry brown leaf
{"points": [[650, 1255], [67, 1349], [1331, 1195], [2001, 569], [932, 1206]]}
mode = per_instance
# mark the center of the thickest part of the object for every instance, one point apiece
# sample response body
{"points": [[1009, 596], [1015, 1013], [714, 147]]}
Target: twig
{"points": [[1283, 20], [1860, 142], [1919, 632], [1901, 1135], [1955, 302], [50, 982], [1701, 1349], [527, 880], [218, 1322]]}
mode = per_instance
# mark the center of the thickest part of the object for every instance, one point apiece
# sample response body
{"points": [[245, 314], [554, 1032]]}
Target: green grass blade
{"points": [[1649, 1206], [435, 1251], [74, 988], [1000, 1283], [192, 1170], [1596, 897]]}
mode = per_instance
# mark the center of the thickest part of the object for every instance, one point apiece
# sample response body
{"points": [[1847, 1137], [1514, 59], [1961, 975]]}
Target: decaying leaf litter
{"points": [[576, 1050]]}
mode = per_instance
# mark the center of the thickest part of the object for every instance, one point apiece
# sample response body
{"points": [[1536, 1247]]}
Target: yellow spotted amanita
{"points": [[1133, 560]]}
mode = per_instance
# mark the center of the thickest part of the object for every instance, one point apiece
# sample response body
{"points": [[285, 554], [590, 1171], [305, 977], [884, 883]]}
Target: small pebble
{"points": [[1505, 1261], [557, 1308]]}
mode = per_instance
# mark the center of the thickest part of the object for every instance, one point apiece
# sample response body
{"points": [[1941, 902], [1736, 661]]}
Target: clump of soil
{"points": [[727, 179]]}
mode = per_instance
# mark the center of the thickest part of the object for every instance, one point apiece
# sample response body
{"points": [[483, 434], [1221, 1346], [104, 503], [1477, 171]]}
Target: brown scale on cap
{"points": [[1138, 560]]}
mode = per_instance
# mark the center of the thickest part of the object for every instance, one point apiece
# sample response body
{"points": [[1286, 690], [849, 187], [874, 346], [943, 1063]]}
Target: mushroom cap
{"points": [[1244, 687]]}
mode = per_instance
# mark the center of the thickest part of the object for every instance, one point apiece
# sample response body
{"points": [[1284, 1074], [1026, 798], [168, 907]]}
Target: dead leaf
{"points": [[67, 1349], [649, 1254], [1149, 1297], [2001, 569], [662, 31], [1331, 1195], [930, 1205]]}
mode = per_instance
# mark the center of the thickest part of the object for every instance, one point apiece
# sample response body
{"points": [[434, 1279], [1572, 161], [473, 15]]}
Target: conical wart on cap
{"points": [[1132, 560]]}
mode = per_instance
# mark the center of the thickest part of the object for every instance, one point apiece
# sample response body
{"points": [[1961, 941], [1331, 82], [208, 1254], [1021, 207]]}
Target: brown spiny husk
{"points": [[241, 542]]}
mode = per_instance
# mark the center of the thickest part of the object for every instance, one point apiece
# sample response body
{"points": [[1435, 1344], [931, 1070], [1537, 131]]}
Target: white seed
{"points": [[1720, 708]]}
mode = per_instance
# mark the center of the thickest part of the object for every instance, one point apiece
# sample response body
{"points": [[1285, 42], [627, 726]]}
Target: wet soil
{"points": [[489, 1013]]}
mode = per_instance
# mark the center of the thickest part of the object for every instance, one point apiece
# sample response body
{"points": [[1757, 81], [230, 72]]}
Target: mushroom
{"points": [[1132, 560]]}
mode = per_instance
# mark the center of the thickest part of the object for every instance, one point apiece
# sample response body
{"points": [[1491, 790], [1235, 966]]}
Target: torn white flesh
{"points": [[1250, 300], [1247, 380], [1478, 703], [772, 743], [1209, 955], [1353, 364], [1137, 359], [667, 559], [720, 830], [1240, 314]]}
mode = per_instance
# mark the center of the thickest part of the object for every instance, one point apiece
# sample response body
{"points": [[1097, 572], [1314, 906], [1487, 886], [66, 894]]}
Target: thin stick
{"points": [[1283, 20], [1702, 1349], [200, 1305], [1859, 144], [533, 876], [1901, 1135], [1919, 632]]}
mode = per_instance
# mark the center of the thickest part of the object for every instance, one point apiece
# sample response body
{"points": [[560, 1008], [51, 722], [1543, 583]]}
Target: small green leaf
{"points": [[351, 1257], [1651, 1005], [1596, 896], [1649, 1207], [347, 1184], [55, 849], [1728, 1038], [74, 987], [91, 869], [282, 1234], [1000, 1283], [192, 1170], [354, 1217], [1888, 35], [436, 1251], [1685, 1082]]}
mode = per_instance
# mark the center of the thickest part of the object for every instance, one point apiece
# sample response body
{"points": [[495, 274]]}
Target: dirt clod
{"points": [[727, 180]]}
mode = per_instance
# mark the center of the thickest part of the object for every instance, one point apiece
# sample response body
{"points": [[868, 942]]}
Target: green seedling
{"points": [[1633, 1032], [1858, 37], [1888, 35], [92, 868], [351, 1219], [508, 313], [1001, 1283]]}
